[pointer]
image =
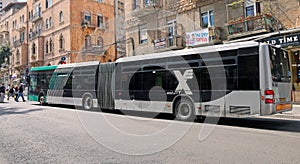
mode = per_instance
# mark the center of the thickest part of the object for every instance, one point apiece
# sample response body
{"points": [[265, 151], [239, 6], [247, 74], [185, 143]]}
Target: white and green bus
{"points": [[229, 80]]}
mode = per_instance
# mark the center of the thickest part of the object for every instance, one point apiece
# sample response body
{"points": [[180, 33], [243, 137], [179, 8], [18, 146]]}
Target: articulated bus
{"points": [[230, 80]]}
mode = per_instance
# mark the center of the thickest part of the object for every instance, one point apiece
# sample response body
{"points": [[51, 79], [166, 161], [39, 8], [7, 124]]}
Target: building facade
{"points": [[51, 32]]}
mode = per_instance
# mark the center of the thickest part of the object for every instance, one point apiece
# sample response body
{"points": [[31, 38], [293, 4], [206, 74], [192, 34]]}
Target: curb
{"points": [[290, 116]]}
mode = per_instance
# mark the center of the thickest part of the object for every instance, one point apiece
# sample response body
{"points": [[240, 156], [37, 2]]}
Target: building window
{"points": [[18, 56], [22, 37], [61, 42], [61, 18], [47, 46], [33, 49], [207, 19], [48, 3], [250, 11], [50, 22], [172, 31], [51, 46], [100, 21], [100, 42], [100, 1], [143, 34], [149, 3], [87, 42], [47, 23], [87, 17], [135, 4]]}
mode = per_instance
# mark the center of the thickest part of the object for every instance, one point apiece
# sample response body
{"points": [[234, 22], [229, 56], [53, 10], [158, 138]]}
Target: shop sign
{"points": [[160, 43], [197, 37], [284, 41]]}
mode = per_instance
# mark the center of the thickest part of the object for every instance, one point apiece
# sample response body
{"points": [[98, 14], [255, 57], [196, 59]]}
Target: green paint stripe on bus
{"points": [[44, 68]]}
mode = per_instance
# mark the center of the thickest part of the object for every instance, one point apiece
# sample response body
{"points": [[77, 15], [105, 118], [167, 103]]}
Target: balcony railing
{"points": [[146, 8], [18, 43], [33, 35], [165, 44], [250, 25], [94, 50], [21, 28], [87, 24], [36, 16]]}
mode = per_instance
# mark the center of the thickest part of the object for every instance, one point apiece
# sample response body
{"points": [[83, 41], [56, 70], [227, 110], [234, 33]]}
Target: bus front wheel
{"points": [[42, 99], [87, 102], [184, 110]]}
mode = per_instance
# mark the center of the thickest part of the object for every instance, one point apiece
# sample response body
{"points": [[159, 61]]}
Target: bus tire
{"points": [[42, 99], [184, 110], [87, 102]]}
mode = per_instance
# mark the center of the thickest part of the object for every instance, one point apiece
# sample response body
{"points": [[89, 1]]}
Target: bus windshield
{"points": [[280, 68]]}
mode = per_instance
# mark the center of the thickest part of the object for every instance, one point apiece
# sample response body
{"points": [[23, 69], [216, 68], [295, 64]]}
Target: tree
{"points": [[4, 53]]}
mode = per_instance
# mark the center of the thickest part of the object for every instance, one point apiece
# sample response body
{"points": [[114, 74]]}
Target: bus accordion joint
{"points": [[269, 96]]}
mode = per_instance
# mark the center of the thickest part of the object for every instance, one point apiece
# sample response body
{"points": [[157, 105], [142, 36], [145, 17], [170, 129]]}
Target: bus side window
{"points": [[248, 72]]}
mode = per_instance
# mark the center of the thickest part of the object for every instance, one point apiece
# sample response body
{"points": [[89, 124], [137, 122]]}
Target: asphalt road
{"points": [[46, 134]]}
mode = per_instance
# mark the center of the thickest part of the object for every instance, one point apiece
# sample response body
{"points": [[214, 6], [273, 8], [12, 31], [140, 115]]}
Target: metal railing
{"points": [[251, 24]]}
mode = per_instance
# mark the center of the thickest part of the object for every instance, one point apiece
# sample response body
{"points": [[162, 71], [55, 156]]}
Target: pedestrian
{"points": [[20, 93], [2, 92], [11, 93], [16, 92], [7, 90]]}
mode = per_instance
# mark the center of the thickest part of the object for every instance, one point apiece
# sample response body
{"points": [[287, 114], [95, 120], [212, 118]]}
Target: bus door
{"points": [[212, 91], [154, 94]]}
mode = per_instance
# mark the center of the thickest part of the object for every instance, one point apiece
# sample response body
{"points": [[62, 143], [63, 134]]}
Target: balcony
{"points": [[36, 17], [21, 28], [166, 44], [5, 30], [34, 35], [250, 26], [18, 43], [87, 24], [147, 7], [97, 50]]}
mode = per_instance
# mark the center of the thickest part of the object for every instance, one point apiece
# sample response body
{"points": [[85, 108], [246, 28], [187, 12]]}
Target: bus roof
{"points": [[205, 49], [43, 68], [89, 63]]}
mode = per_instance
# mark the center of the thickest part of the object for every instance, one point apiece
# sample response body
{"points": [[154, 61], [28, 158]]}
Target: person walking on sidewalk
{"points": [[16, 92], [2, 92], [20, 93], [10, 93]]}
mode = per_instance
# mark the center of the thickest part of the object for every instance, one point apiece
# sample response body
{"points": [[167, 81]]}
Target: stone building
{"points": [[8, 38], [51, 32]]}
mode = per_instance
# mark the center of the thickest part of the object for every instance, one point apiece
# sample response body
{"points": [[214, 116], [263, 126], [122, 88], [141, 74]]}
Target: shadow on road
{"points": [[14, 110], [255, 123]]}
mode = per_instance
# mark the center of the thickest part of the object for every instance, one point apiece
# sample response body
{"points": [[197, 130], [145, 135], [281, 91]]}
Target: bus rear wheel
{"points": [[87, 102], [184, 110]]}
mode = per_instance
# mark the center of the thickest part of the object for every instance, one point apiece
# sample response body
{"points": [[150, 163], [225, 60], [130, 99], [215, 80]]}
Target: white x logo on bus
{"points": [[188, 74]]}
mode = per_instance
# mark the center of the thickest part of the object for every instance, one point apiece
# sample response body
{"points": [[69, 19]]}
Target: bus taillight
{"points": [[269, 96]]}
